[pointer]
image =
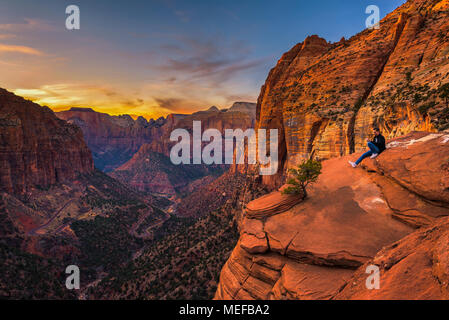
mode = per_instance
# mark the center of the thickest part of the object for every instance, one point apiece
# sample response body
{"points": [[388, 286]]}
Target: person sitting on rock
{"points": [[376, 147]]}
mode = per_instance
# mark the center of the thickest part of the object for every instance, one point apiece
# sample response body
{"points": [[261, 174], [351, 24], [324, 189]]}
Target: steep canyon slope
{"points": [[324, 98], [56, 209], [37, 149]]}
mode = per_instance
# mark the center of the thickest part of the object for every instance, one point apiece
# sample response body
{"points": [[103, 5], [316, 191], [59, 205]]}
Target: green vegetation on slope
{"points": [[28, 276], [182, 265]]}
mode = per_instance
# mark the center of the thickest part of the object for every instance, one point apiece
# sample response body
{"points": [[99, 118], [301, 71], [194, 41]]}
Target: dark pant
{"points": [[372, 149]]}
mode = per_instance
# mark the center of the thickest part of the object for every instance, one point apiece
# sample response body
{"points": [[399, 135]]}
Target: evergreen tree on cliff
{"points": [[305, 174]]}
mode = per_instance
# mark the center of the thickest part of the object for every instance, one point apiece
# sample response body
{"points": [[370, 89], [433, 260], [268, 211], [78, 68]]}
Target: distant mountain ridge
{"points": [[150, 168], [113, 140]]}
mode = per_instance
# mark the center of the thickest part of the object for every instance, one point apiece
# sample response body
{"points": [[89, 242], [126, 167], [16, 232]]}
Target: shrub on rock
{"points": [[305, 174]]}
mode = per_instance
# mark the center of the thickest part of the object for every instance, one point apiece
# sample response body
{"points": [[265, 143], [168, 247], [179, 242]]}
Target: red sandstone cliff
{"points": [[37, 149], [313, 249], [241, 115], [324, 98]]}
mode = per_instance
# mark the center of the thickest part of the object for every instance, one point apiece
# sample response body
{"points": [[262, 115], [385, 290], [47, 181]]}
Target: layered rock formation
{"points": [[113, 140], [324, 98], [241, 115], [415, 267], [271, 204], [37, 149], [150, 169], [312, 250]]}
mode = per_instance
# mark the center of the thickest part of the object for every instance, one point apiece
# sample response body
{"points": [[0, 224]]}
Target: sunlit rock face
{"points": [[241, 115], [37, 149], [325, 98]]}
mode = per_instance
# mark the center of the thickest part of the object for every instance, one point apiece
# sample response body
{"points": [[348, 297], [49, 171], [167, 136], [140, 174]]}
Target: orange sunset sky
{"points": [[157, 57]]}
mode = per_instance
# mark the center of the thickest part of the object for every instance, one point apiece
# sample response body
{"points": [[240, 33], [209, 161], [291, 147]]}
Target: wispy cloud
{"points": [[195, 73], [209, 60], [7, 36], [182, 15], [29, 24], [173, 73], [20, 49], [171, 104]]}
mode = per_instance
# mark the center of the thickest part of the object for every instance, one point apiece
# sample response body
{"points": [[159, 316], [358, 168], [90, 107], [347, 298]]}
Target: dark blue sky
{"points": [[160, 56]]}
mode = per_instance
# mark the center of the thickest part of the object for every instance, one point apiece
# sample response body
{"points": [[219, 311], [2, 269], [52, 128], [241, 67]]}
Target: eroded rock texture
{"points": [[312, 250], [415, 267], [36, 148], [324, 98], [113, 140], [151, 170]]}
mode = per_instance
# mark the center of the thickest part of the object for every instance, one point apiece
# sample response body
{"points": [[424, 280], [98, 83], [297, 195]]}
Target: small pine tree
{"points": [[305, 174]]}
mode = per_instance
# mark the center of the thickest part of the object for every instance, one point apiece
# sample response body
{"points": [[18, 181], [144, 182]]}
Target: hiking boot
{"points": [[353, 164], [374, 156]]}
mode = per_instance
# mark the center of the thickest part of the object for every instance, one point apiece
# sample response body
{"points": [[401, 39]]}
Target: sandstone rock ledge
{"points": [[416, 267], [271, 204], [312, 250]]}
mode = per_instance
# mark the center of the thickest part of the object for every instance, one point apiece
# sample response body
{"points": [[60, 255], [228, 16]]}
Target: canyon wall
{"points": [[112, 139], [324, 98], [150, 169], [241, 115], [36, 148]]}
